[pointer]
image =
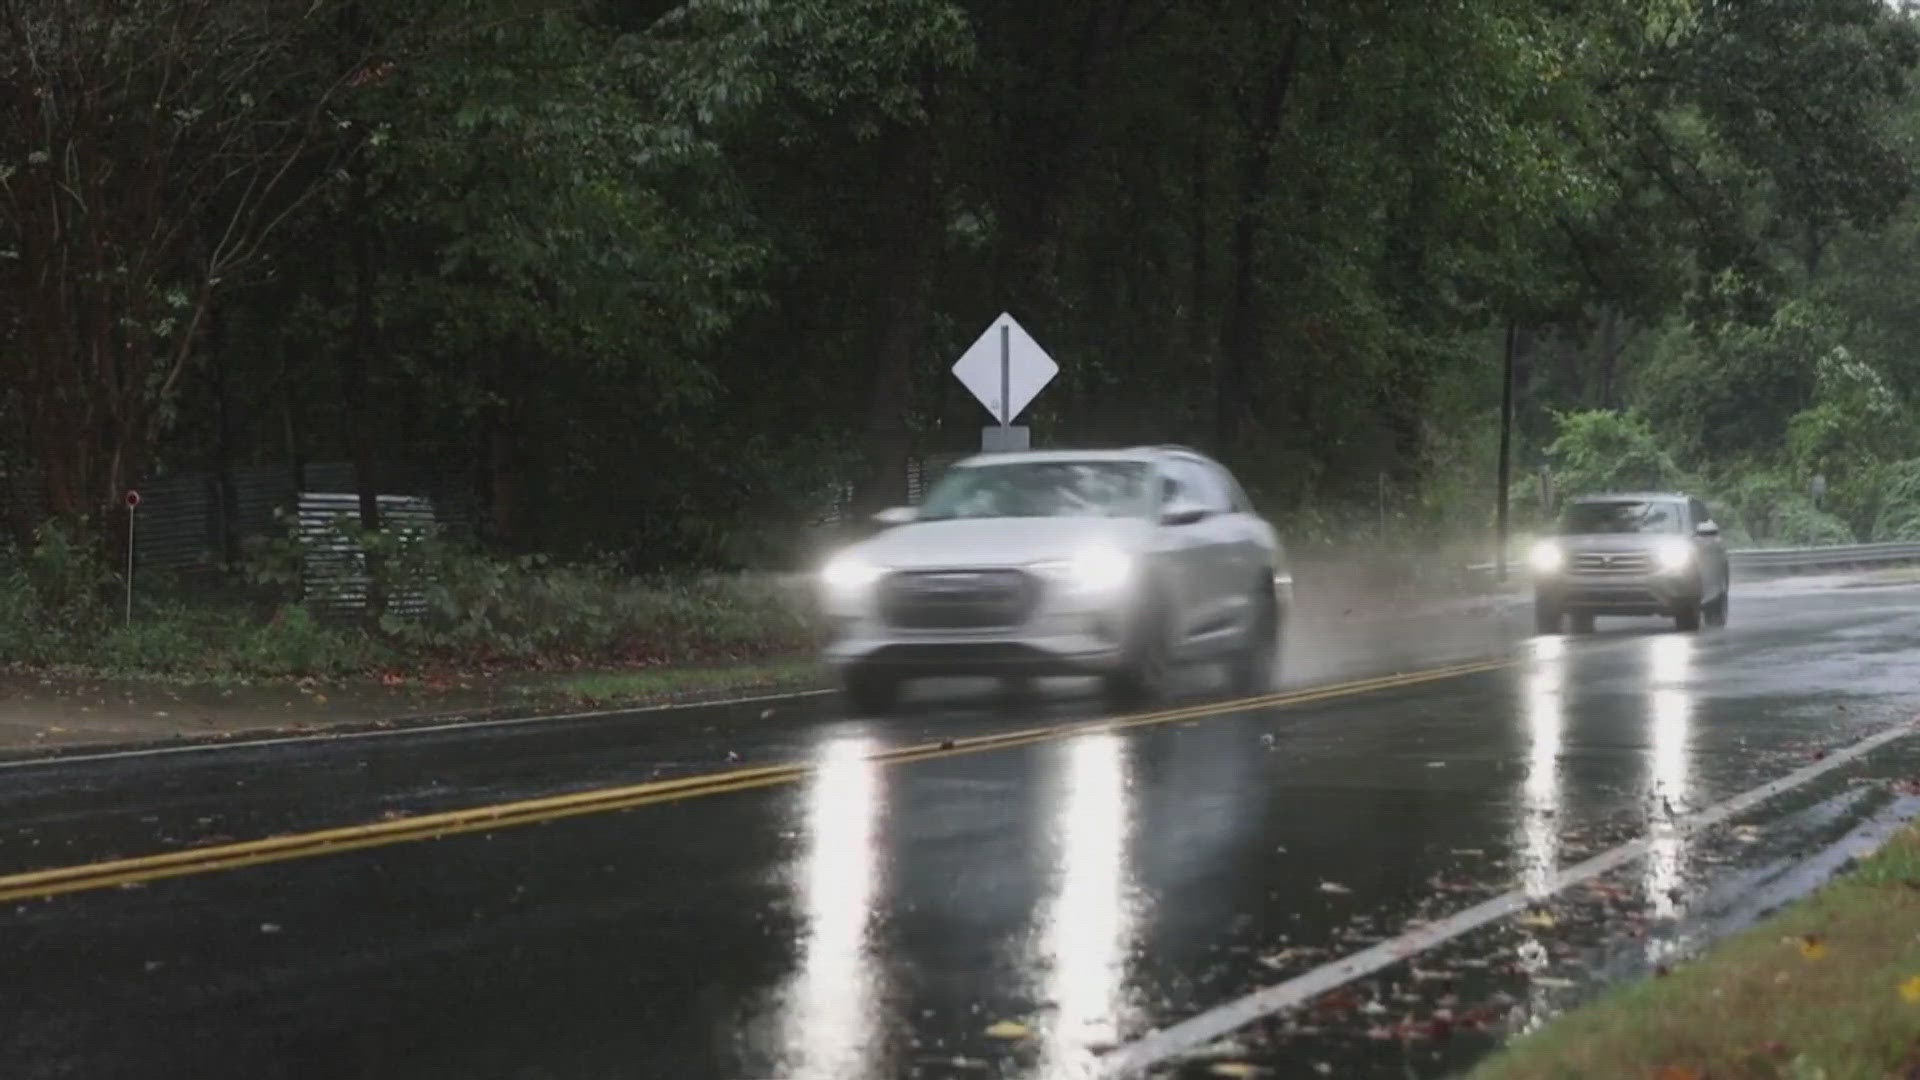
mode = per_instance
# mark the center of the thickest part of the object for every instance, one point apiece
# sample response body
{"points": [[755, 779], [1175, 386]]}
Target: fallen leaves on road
{"points": [[1335, 888], [1679, 1072], [1009, 1029], [1910, 991], [1538, 920], [1235, 1068], [1813, 948]]}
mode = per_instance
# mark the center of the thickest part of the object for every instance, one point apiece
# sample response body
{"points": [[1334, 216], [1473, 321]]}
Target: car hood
{"points": [[1615, 541], [966, 542]]}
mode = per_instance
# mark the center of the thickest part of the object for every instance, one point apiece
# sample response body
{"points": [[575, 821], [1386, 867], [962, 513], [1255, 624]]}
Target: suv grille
{"points": [[958, 599], [1612, 562]]}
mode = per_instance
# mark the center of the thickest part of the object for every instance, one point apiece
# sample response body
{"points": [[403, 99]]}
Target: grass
{"points": [[613, 688], [1828, 989]]}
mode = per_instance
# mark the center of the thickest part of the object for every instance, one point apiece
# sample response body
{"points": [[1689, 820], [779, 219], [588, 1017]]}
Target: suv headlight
{"points": [[1673, 556], [1100, 567], [849, 572], [1546, 557], [1097, 568]]}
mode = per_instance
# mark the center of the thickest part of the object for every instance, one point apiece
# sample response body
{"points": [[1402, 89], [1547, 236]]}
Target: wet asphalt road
{"points": [[873, 920]]}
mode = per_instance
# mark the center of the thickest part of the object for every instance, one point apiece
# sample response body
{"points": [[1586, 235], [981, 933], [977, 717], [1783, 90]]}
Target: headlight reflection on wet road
{"points": [[1545, 718], [829, 1024], [1670, 723], [1088, 925], [1544, 710]]}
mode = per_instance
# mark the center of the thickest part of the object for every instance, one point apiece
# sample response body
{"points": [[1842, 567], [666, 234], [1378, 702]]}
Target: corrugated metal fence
{"points": [[184, 521], [333, 565]]}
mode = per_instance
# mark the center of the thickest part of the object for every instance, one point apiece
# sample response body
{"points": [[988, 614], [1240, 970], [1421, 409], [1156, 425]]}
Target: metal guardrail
{"points": [[1828, 557], [1836, 556]]}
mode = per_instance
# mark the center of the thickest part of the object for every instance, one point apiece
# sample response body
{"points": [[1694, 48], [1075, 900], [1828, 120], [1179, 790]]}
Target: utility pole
{"points": [[1506, 447]]}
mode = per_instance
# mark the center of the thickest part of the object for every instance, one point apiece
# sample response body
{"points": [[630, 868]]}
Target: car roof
{"points": [[1632, 496], [1136, 453]]}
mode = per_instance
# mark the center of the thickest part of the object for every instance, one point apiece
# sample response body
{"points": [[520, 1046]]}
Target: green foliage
{"points": [[1897, 503], [1601, 450], [1727, 391], [1777, 510], [526, 610], [1856, 420], [54, 595], [663, 278]]}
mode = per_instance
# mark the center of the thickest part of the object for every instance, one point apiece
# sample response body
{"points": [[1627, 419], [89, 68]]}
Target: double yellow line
{"points": [[206, 860]]}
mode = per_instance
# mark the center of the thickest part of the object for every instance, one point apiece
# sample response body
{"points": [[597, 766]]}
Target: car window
{"points": [[1622, 516], [1039, 489], [1700, 514], [1200, 484]]}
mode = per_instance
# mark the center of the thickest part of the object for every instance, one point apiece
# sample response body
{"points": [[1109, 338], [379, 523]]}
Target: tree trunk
{"points": [[904, 308], [1242, 346], [359, 385], [227, 497]]}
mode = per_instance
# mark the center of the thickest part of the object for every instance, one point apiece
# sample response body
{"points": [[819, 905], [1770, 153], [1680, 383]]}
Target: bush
{"points": [[1800, 525], [1897, 490], [1776, 510], [54, 594], [526, 609], [176, 638]]}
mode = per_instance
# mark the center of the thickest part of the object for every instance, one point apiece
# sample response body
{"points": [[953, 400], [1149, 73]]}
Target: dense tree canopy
{"points": [[665, 278]]}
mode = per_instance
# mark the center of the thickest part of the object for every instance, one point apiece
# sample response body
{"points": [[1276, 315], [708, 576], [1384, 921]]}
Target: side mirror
{"points": [[1707, 529], [1182, 512], [896, 515]]}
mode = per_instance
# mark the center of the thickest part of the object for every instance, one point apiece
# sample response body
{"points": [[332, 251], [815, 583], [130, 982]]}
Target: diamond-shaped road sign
{"points": [[1006, 369]]}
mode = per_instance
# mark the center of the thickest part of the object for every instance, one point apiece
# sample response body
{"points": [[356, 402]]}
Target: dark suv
{"points": [[1657, 554]]}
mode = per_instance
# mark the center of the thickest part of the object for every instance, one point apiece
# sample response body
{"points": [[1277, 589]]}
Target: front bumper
{"points": [[1638, 594], [1080, 643], [1059, 630]]}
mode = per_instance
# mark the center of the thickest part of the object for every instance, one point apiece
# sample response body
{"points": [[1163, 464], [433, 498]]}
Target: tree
{"points": [[149, 152]]}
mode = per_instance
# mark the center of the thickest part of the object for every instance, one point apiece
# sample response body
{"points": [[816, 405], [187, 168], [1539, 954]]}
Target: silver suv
{"points": [[1117, 564], [1657, 554]]}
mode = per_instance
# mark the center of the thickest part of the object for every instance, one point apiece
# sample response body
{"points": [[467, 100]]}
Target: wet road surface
{"points": [[877, 919]]}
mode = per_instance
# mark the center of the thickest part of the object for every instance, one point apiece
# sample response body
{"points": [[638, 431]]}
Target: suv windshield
{"points": [[1040, 489], [1626, 516]]}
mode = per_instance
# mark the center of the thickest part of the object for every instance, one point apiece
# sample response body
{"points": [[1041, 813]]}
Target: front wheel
{"points": [[870, 692], [1687, 619], [1142, 677], [1255, 665], [1717, 612], [1546, 616]]}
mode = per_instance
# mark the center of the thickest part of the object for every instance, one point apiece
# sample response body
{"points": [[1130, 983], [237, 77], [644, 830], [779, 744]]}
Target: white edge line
{"points": [[1194, 1032], [56, 760]]}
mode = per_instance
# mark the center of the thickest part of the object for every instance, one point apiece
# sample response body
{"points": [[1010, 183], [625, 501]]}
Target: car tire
{"points": [[1255, 665], [1546, 616], [1141, 680], [1717, 612], [870, 692], [1687, 619], [1582, 622]]}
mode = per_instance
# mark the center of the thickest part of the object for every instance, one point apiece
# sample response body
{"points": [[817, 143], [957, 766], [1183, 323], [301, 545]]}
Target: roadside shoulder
{"points": [[1829, 987]]}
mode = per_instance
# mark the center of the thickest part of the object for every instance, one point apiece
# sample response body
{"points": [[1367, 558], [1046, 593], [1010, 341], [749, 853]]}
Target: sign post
{"points": [[133, 505], [1005, 369]]}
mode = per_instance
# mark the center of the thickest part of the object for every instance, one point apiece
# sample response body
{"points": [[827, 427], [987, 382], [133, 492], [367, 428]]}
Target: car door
{"points": [[1178, 550], [1214, 544], [1251, 554]]}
